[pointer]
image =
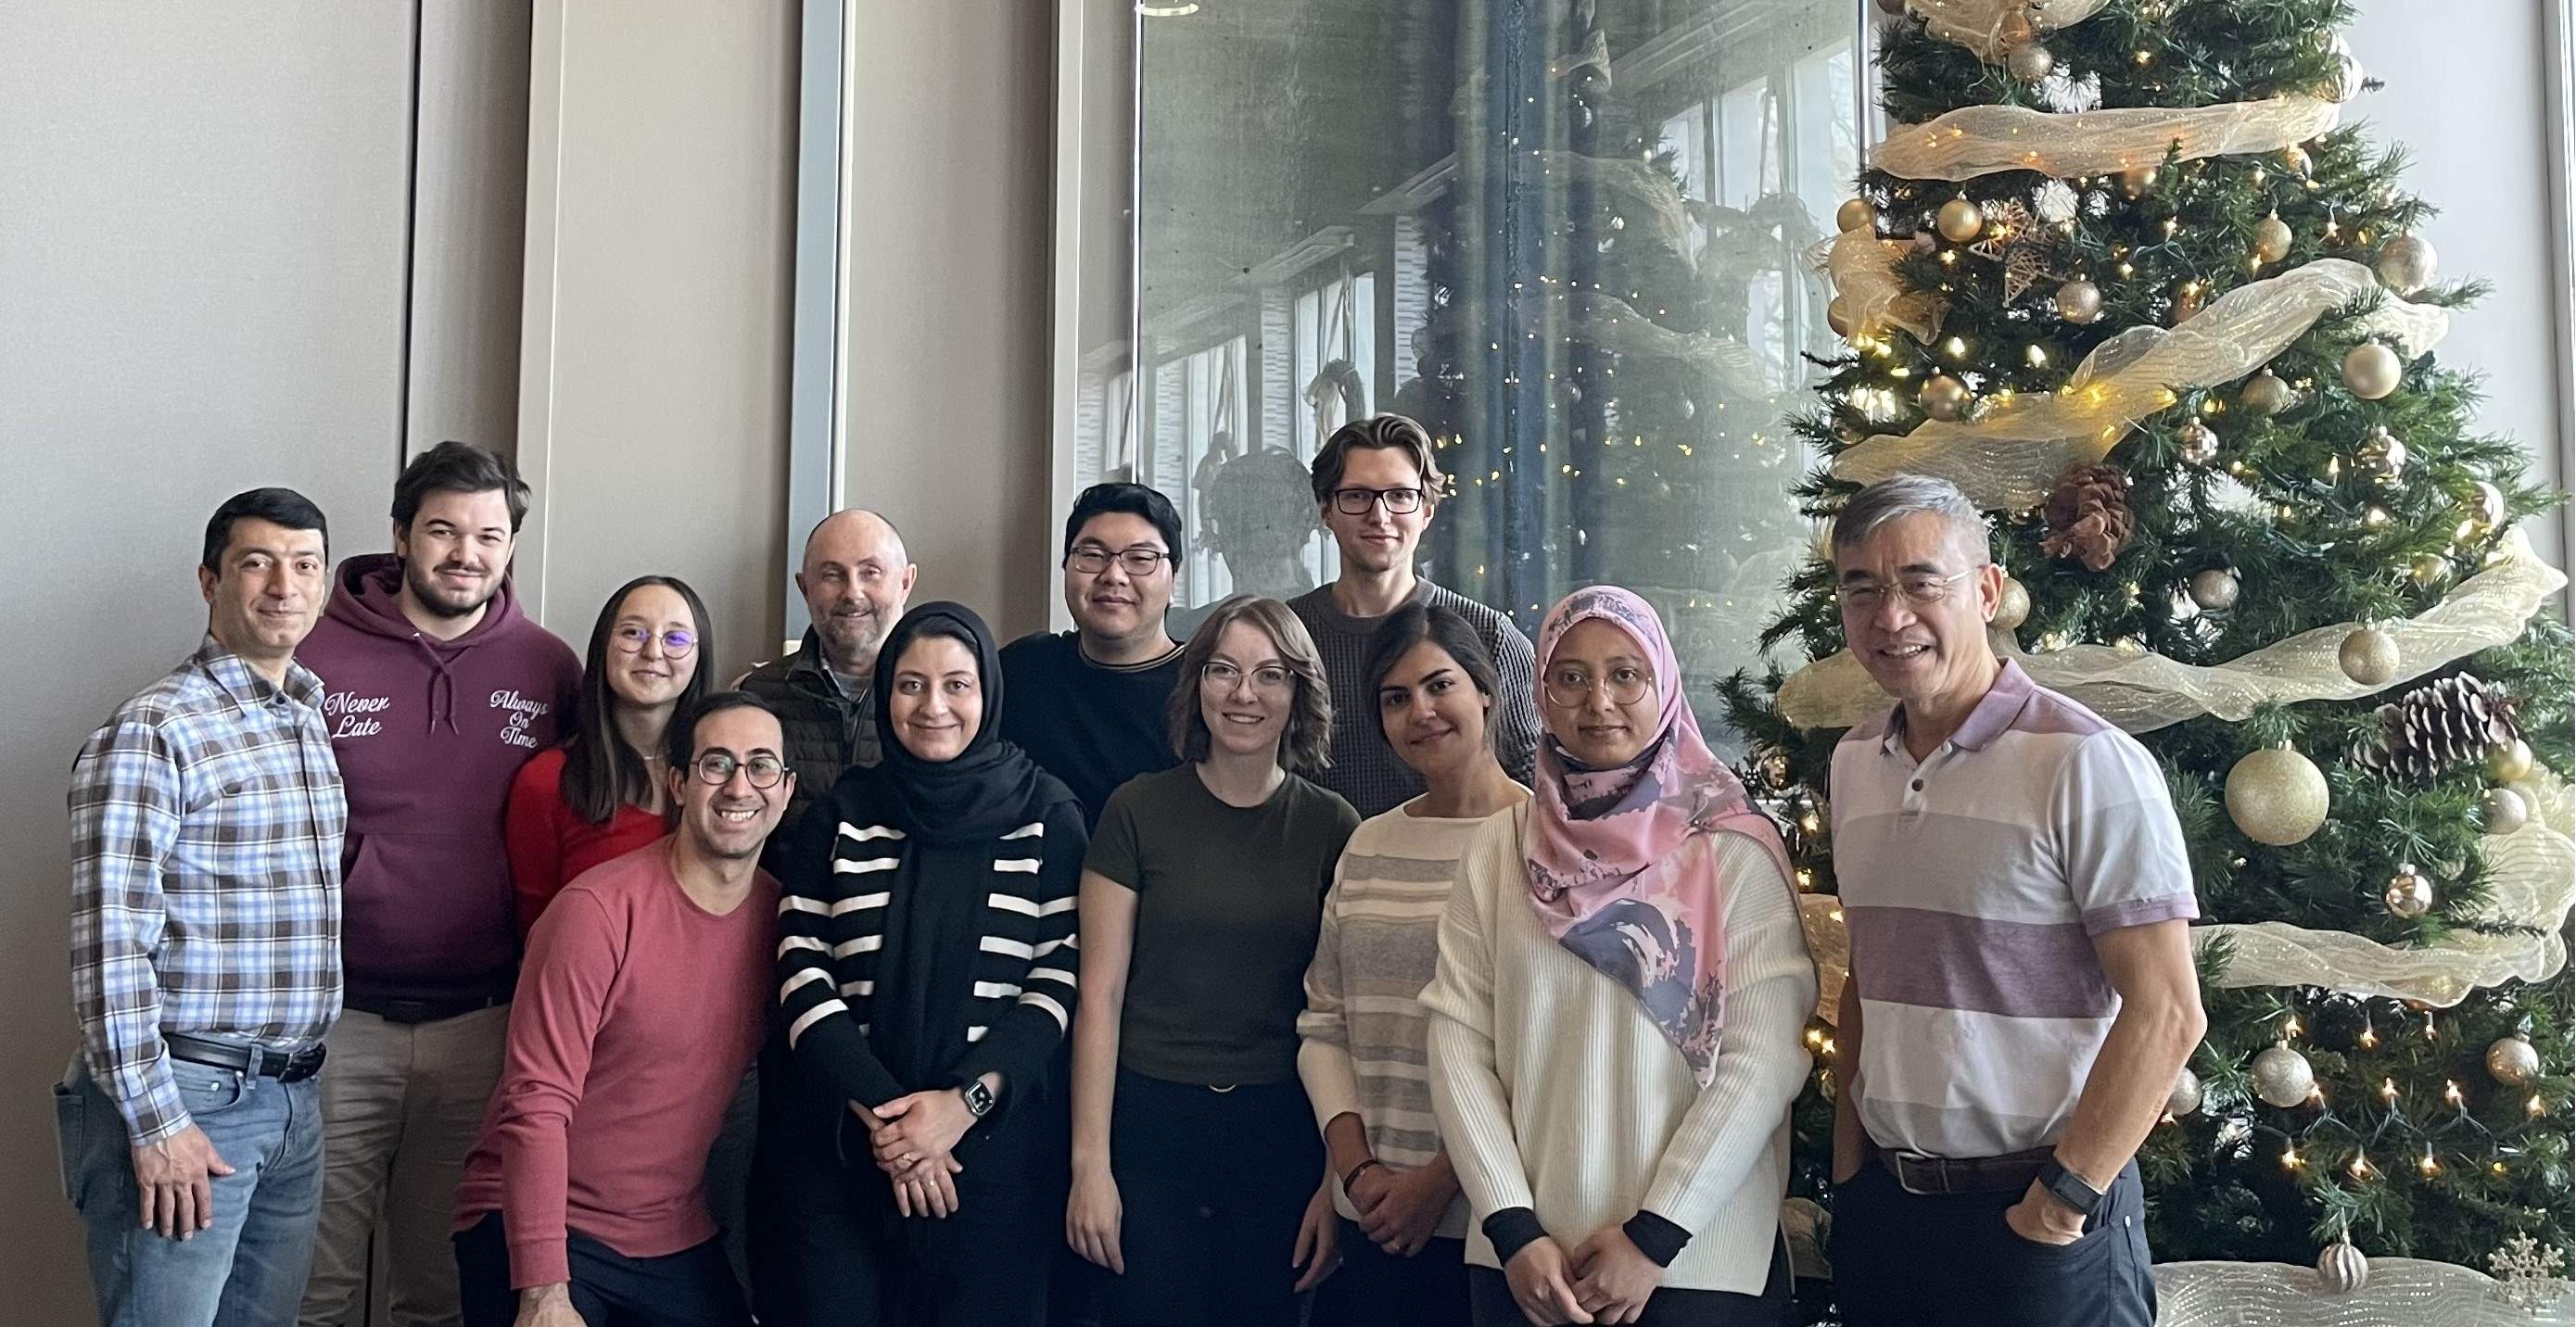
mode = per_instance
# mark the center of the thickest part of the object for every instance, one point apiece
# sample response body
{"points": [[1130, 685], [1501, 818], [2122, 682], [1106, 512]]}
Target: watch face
{"points": [[979, 1098]]}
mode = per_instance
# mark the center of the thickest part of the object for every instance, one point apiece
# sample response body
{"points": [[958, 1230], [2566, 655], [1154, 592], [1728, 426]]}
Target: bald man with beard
{"points": [[855, 578]]}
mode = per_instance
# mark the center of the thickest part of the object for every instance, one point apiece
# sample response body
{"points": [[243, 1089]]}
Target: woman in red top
{"points": [[600, 794]]}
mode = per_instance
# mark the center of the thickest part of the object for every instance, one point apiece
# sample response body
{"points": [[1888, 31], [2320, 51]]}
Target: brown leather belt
{"points": [[1920, 1174]]}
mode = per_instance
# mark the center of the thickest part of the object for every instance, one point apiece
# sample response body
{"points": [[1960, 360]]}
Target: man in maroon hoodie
{"points": [[436, 687]]}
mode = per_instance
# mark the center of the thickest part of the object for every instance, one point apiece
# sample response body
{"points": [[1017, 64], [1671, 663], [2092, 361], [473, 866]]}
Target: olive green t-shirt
{"points": [[1228, 900]]}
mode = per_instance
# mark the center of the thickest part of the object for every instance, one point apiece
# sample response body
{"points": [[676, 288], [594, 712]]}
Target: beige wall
{"points": [[947, 341], [202, 219], [653, 402], [470, 174]]}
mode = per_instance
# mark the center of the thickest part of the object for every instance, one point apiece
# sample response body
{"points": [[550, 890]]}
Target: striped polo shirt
{"points": [[1974, 883]]}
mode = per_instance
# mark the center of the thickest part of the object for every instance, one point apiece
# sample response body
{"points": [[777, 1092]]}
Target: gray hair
{"points": [[1905, 495]]}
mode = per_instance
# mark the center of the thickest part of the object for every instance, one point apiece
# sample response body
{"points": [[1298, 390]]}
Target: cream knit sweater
{"points": [[1556, 1092]]}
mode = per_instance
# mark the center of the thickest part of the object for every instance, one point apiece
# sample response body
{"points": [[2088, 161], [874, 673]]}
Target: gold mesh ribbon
{"points": [[1981, 140], [2010, 458], [2141, 692], [1989, 27], [2531, 879], [1862, 268]]}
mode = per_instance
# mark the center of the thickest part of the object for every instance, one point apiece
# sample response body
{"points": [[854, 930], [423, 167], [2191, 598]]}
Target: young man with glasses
{"points": [[644, 996], [2022, 991], [1087, 704], [437, 689], [1376, 487], [206, 819]]}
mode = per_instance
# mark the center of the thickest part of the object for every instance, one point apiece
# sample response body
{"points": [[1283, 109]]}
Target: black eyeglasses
{"points": [[1092, 559], [1357, 501], [675, 642], [716, 768]]}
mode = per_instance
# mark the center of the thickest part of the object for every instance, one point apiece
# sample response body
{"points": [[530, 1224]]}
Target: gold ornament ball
{"points": [[2509, 762], [2369, 656], [2504, 810], [2486, 506], [2381, 456], [2137, 180], [2276, 796], [2265, 395], [2294, 159], [2512, 1060], [2198, 443], [1838, 316], [2372, 370], [2272, 239], [2012, 605], [2342, 1269], [1854, 214], [2216, 589], [2185, 1097], [2428, 569], [2282, 1076], [1944, 397], [2030, 62], [2409, 894], [1960, 221], [2407, 264], [2079, 302]]}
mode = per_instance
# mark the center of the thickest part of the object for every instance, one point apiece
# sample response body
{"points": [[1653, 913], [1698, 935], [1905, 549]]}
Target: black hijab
{"points": [[992, 787]]}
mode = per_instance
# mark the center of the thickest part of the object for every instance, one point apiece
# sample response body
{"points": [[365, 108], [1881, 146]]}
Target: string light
{"points": [[2388, 1090], [2369, 1035], [2451, 1094], [2361, 1169], [2428, 1166], [2290, 1158], [2535, 1108]]}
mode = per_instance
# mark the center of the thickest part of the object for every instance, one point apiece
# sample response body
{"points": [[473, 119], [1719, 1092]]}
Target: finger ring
{"points": [[905, 1159]]}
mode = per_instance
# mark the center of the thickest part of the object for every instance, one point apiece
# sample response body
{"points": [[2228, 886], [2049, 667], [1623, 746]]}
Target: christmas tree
{"points": [[2123, 272], [1599, 404]]}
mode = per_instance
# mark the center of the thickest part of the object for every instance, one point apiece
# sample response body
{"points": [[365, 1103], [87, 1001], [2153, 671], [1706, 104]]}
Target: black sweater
{"points": [[859, 935]]}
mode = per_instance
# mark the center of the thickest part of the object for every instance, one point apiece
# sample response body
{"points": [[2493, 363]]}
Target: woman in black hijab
{"points": [[926, 970]]}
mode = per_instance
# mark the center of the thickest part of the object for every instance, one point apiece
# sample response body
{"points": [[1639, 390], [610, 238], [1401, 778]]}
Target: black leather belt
{"points": [[1920, 1174], [409, 1012], [257, 1061]]}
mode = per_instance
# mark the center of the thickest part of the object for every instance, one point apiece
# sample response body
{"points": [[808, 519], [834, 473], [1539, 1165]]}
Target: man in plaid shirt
{"points": [[206, 825]]}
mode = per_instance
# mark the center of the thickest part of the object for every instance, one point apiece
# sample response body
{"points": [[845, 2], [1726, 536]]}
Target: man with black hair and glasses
{"points": [[206, 823], [1376, 488], [644, 995], [1087, 704]]}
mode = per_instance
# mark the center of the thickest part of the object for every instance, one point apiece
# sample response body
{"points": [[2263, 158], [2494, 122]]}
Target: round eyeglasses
{"points": [[1220, 676], [716, 768], [1570, 688], [675, 642]]}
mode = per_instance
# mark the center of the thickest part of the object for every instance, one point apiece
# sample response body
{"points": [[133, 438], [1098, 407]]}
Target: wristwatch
{"points": [[2069, 1188], [979, 1098]]}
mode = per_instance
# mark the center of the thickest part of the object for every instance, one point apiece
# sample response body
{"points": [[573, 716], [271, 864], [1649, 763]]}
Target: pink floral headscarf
{"points": [[1612, 871]]}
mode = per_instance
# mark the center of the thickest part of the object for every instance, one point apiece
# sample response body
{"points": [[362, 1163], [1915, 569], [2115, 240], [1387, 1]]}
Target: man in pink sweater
{"points": [[641, 1002]]}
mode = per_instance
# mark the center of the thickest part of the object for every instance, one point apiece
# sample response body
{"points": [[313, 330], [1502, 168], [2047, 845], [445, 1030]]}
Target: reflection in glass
{"points": [[1574, 239]]}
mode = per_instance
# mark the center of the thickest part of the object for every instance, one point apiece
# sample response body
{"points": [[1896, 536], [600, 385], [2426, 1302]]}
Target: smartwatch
{"points": [[2069, 1188], [979, 1098]]}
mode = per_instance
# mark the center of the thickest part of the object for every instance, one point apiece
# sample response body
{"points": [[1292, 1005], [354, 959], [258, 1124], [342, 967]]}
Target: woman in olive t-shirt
{"points": [[1196, 1168]]}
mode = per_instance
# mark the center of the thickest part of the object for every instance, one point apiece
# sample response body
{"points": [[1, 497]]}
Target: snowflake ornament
{"points": [[2526, 1273]]}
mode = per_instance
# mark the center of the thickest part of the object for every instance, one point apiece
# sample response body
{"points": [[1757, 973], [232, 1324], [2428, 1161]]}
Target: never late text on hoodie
{"points": [[429, 734]]}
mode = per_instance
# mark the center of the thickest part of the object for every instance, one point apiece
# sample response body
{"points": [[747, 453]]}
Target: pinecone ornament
{"points": [[2088, 516], [2436, 727]]}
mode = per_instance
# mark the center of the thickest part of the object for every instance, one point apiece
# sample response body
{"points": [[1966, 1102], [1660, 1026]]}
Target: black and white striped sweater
{"points": [[832, 932]]}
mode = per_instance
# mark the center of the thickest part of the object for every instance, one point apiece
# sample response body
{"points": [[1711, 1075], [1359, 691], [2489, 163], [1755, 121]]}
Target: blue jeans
{"points": [[248, 1268]]}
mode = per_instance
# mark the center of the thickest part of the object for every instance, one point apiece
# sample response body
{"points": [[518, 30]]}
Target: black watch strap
{"points": [[2071, 1189]]}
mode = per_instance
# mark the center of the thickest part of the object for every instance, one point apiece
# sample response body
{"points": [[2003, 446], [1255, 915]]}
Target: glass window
{"points": [[1571, 240]]}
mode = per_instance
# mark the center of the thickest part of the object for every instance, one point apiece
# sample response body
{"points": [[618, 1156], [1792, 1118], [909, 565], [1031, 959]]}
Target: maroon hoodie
{"points": [[429, 734]]}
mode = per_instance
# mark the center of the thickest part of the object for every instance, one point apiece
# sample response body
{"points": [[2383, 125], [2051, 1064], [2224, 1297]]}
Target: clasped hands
{"points": [[914, 1138], [1606, 1279]]}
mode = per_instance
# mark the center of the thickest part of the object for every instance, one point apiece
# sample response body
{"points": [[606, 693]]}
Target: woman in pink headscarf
{"points": [[1617, 1008]]}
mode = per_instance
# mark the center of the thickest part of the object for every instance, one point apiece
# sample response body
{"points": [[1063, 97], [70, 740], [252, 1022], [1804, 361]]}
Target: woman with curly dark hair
{"points": [[1200, 900]]}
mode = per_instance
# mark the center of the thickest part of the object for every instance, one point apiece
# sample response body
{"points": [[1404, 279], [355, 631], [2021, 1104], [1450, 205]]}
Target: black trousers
{"points": [[1375, 1288], [1491, 1295], [1212, 1186], [691, 1288], [1948, 1259], [831, 1250]]}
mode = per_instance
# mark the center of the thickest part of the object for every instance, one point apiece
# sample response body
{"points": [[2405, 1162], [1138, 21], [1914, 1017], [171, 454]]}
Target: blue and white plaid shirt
{"points": [[206, 824]]}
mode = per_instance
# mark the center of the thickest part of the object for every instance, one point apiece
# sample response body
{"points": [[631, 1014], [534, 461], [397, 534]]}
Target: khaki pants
{"points": [[401, 1106]]}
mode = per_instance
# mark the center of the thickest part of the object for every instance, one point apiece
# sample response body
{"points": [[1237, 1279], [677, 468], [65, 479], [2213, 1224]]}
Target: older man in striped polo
{"points": [[2021, 991]]}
